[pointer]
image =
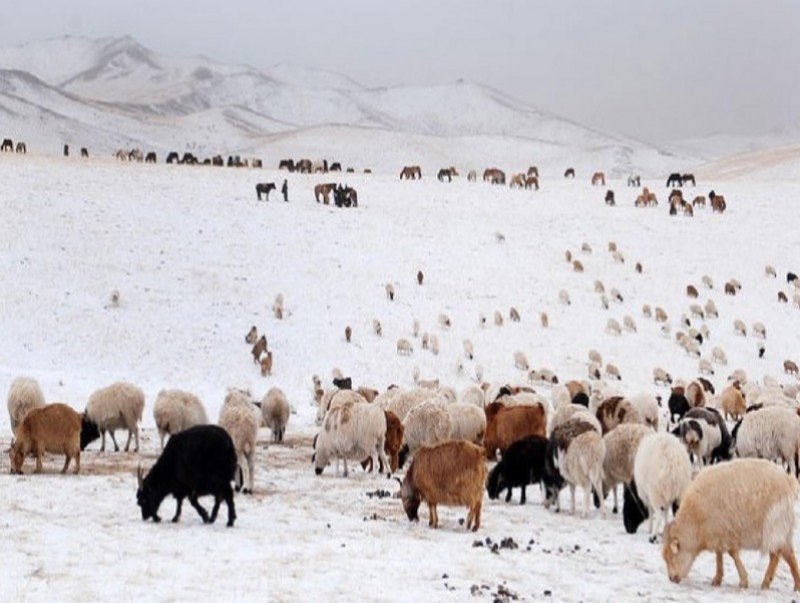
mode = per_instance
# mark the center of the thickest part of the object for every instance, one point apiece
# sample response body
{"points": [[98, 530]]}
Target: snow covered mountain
{"points": [[113, 91]]}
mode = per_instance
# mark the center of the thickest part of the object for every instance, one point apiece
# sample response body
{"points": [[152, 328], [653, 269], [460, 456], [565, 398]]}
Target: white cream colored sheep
{"points": [[648, 407], [759, 330], [520, 361], [707, 281], [662, 472], [481, 321], [563, 297], [615, 295], [426, 339], [612, 372], [771, 433], [718, 355], [744, 504], [661, 377], [444, 322], [469, 351], [118, 406], [565, 412], [613, 327], [24, 395], [238, 416], [425, 425], [498, 318], [434, 344], [621, 445], [353, 430], [598, 287], [390, 291], [277, 306], [404, 347], [176, 411], [337, 397], [629, 323], [696, 310], [618, 257], [275, 412], [376, 327], [467, 422], [402, 403], [586, 248], [711, 309], [581, 464], [604, 302], [739, 328], [595, 357], [415, 328], [647, 311], [705, 367], [472, 395]]}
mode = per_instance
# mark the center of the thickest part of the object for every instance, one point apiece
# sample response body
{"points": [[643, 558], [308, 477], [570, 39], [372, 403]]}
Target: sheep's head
{"points": [[678, 556], [410, 496], [146, 498], [496, 481], [89, 431], [17, 456]]}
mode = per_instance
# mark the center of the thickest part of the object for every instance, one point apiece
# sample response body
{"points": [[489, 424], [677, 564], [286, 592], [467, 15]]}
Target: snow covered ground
{"points": [[197, 261]]}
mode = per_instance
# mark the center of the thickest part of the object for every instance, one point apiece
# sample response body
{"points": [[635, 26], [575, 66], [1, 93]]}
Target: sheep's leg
{"points": [[346, 472], [382, 459], [231, 507], [587, 497], [113, 439], [522, 498], [743, 582], [788, 556], [128, 443], [200, 510], [572, 499], [103, 441], [77, 456], [718, 575], [470, 517], [162, 434], [770, 573], [250, 471], [66, 463], [508, 494], [616, 501], [39, 454], [598, 487], [178, 507]]}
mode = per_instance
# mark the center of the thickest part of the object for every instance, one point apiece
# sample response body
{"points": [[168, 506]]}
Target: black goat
{"points": [[522, 465]]}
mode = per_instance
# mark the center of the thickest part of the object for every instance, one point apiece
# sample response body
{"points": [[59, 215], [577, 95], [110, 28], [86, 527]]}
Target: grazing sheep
{"points": [[739, 328], [513, 315], [730, 289], [612, 372], [604, 302], [478, 373], [616, 410], [613, 327], [473, 395], [352, 430], [434, 344], [660, 315], [616, 295], [259, 348], [718, 355], [444, 321], [376, 327], [577, 266], [425, 341], [661, 474], [638, 268], [696, 310], [738, 375], [118, 406], [705, 435], [621, 445], [711, 309], [618, 257], [426, 424], [176, 411], [790, 367], [759, 330], [771, 433], [769, 271], [705, 367], [692, 292], [594, 371], [732, 402], [451, 473], [745, 504], [647, 312], [252, 335], [266, 363], [467, 422], [498, 318], [595, 357], [647, 406], [522, 465], [575, 454], [599, 287], [629, 323], [24, 395], [665, 330], [390, 291], [586, 248], [507, 424], [563, 297], [275, 412], [546, 321], [404, 347], [568, 256], [520, 361], [277, 306], [782, 298], [238, 417], [55, 429]]}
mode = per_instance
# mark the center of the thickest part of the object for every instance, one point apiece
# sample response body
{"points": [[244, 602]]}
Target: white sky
{"points": [[651, 69]]}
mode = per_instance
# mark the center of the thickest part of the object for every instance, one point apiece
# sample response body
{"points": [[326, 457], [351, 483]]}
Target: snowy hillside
{"points": [[120, 92], [197, 261]]}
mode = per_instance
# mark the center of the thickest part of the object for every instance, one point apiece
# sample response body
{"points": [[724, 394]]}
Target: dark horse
{"points": [[569, 173], [173, 157], [688, 178], [345, 196], [8, 146], [675, 179], [610, 197], [265, 188]]}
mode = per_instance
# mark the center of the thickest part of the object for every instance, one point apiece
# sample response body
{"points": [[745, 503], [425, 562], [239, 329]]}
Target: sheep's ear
{"points": [[674, 546]]}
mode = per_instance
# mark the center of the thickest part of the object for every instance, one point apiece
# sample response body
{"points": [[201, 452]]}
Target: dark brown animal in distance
{"points": [[718, 204], [151, 157], [420, 277], [264, 188], [22, 148], [348, 333], [7, 146], [252, 335], [532, 181], [494, 176], [411, 172], [598, 178], [610, 198], [688, 178], [259, 348], [324, 191], [452, 473], [569, 173], [692, 292]]}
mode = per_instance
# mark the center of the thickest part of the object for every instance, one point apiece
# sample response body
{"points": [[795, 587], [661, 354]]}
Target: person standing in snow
{"points": [[285, 190]]}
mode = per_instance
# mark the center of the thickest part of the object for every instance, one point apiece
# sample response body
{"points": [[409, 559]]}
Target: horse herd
{"points": [[8, 147]]}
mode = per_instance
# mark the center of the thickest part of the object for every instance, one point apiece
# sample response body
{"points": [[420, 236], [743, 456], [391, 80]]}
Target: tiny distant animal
{"points": [[420, 277]]}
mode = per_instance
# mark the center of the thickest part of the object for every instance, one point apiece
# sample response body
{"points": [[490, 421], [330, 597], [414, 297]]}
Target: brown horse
{"points": [[411, 172], [532, 181], [257, 163], [324, 191], [173, 157], [569, 173], [688, 178], [446, 173], [84, 153], [517, 181], [22, 148], [8, 146], [718, 204], [303, 166], [699, 200], [598, 178], [286, 164], [265, 188], [336, 167], [494, 176], [533, 171], [151, 157]]}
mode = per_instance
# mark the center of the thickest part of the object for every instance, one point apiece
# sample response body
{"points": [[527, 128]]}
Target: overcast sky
{"points": [[651, 69]]}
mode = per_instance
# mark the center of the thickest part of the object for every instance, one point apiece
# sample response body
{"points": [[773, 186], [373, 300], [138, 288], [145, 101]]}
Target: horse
{"points": [[472, 176], [598, 178], [22, 148], [532, 181], [688, 178], [517, 181], [533, 171], [151, 157], [286, 164], [445, 173], [7, 146], [336, 167], [494, 176], [188, 159], [265, 188], [411, 172], [699, 200], [84, 153], [610, 198], [121, 155], [257, 163], [324, 191], [303, 166], [345, 196], [569, 173], [718, 204], [173, 157], [674, 179], [66, 150], [634, 180], [217, 161]]}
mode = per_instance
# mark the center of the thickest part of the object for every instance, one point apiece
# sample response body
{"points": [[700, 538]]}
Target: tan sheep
{"points": [[520, 361], [404, 347], [732, 402], [118, 406], [376, 327], [647, 312], [275, 412], [543, 318], [175, 411]]}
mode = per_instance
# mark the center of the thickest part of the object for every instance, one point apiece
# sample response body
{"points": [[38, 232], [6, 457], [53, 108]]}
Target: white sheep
{"points": [[771, 433], [759, 330], [425, 425], [739, 328], [118, 406], [565, 412], [376, 327], [581, 464], [604, 301], [621, 445], [563, 297], [498, 318], [275, 412], [647, 311], [415, 328], [696, 310], [744, 504], [444, 322], [612, 372], [705, 367], [661, 377], [595, 357], [240, 418], [629, 323], [23, 396], [599, 287], [615, 295], [618, 257], [403, 401], [467, 422], [277, 306], [469, 351], [404, 347], [434, 345], [176, 411], [336, 397], [353, 430], [718, 356], [662, 472], [613, 328], [472, 395], [560, 396], [648, 407], [707, 281], [520, 361], [711, 309]]}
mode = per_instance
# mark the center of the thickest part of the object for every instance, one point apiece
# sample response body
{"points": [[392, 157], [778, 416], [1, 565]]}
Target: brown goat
{"points": [[259, 348], [368, 393], [453, 474], [790, 367], [55, 428], [252, 335], [507, 424], [692, 292], [420, 277], [266, 364], [391, 444], [348, 333]]}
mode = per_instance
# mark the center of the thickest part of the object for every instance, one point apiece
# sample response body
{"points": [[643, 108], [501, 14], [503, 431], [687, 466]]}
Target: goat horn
{"points": [[140, 475]]}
